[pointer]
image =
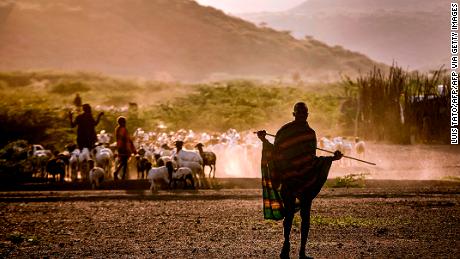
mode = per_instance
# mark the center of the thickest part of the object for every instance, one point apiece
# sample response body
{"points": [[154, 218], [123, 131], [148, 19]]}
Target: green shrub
{"points": [[348, 181], [35, 125], [14, 163], [41, 116], [240, 105], [69, 88]]}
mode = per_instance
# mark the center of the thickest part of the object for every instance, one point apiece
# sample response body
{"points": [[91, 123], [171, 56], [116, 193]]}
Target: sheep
{"points": [[39, 157], [104, 158], [147, 152], [73, 163], [143, 165], [167, 175], [360, 148], [209, 159], [165, 150], [326, 144], [157, 175], [345, 147], [56, 166], [65, 156], [182, 174], [83, 159], [187, 155], [197, 170], [38, 149], [103, 137], [96, 174], [162, 160], [144, 159]]}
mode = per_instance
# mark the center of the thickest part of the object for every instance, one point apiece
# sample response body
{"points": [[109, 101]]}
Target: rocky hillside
{"points": [[414, 33], [159, 39]]}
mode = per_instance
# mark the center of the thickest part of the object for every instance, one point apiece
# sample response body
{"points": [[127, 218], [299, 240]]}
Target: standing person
{"points": [[86, 131], [77, 101], [125, 147], [293, 164]]}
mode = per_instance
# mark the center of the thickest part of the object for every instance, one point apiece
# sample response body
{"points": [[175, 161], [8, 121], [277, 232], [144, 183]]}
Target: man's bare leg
{"points": [[305, 208], [289, 211]]}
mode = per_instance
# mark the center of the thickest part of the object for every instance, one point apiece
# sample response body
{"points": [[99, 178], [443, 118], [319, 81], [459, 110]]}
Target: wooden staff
{"points": [[332, 152]]}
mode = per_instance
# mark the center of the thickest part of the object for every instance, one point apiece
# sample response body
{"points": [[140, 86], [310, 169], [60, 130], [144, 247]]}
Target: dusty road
{"points": [[386, 219]]}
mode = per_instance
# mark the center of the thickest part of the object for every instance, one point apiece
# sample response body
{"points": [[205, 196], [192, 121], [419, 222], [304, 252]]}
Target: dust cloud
{"points": [[396, 162]]}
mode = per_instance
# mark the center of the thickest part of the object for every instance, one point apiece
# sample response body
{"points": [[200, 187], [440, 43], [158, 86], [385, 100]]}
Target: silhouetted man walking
{"points": [[86, 131], [301, 174]]}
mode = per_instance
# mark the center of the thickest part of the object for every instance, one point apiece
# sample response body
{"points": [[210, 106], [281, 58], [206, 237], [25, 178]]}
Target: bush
{"points": [[41, 116], [33, 124], [14, 164], [69, 88], [240, 105], [348, 181]]}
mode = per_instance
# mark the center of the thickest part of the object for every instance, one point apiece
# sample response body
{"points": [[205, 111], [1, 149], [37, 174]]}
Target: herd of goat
{"points": [[157, 161]]}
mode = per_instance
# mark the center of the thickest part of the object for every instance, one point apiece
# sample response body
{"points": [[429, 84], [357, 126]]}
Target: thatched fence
{"points": [[399, 107]]}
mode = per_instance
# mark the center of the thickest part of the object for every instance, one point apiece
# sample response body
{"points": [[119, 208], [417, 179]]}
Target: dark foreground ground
{"points": [[385, 219]]}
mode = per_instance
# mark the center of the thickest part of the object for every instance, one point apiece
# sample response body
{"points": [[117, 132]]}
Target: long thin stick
{"points": [[347, 157], [333, 152]]}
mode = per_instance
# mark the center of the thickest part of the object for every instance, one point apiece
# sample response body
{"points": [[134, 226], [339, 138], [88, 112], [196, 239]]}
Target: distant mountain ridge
{"points": [[414, 33], [159, 39]]}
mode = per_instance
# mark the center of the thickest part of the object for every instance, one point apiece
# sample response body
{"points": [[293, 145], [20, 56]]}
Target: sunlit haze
{"points": [[249, 6]]}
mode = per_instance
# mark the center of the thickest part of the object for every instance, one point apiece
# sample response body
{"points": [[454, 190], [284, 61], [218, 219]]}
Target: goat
{"points": [[73, 163], [39, 157], [165, 150], [197, 170], [182, 174], [103, 137], [143, 165], [360, 148], [96, 175], [345, 147], [56, 166], [83, 159], [161, 161], [104, 158], [65, 156], [157, 175], [189, 156], [209, 159]]}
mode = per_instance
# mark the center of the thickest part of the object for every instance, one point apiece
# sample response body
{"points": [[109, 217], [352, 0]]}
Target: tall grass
{"points": [[399, 107]]}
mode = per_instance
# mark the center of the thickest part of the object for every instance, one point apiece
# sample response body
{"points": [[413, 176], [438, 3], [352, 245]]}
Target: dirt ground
{"points": [[396, 219]]}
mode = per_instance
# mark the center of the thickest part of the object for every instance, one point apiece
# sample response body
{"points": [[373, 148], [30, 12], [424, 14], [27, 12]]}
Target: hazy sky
{"points": [[246, 6]]}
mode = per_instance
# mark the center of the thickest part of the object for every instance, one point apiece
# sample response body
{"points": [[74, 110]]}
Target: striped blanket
{"points": [[273, 204], [291, 162]]}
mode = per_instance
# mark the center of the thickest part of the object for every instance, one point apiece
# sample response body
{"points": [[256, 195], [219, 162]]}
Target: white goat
{"points": [[345, 147], [83, 159], [190, 156], [103, 137], [96, 175], [73, 163], [165, 150], [104, 158], [182, 174], [39, 157], [326, 144], [360, 148], [197, 171], [158, 175]]}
